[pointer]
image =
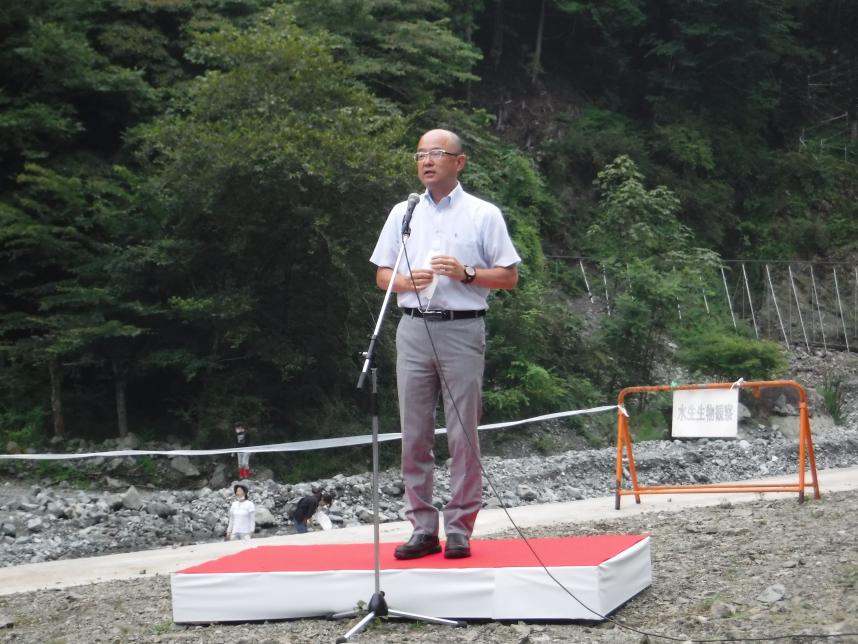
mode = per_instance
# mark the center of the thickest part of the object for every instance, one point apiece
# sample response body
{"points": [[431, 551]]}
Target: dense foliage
{"points": [[190, 190]]}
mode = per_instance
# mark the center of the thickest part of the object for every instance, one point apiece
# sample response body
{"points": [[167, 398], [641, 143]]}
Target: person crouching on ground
{"points": [[242, 515], [307, 507]]}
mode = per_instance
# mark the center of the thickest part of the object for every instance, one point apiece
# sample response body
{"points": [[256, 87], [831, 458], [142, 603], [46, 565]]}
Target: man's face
{"points": [[439, 174]]}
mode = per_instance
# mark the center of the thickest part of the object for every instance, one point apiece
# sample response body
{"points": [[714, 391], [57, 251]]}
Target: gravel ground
{"points": [[772, 570], [769, 570]]}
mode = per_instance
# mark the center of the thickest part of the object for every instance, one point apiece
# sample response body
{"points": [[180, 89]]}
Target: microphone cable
{"points": [[445, 386]]}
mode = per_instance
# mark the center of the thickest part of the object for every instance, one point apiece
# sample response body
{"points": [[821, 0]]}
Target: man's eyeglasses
{"points": [[433, 154]]}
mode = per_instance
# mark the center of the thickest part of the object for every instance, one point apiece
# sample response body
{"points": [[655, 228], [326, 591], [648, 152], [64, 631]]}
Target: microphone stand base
{"points": [[378, 608]]}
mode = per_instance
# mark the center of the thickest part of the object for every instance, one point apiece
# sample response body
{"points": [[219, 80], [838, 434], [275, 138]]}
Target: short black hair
{"points": [[327, 497], [243, 487]]}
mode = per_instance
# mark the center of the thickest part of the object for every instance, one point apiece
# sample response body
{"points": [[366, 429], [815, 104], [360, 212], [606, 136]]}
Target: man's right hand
{"points": [[403, 283], [422, 277]]}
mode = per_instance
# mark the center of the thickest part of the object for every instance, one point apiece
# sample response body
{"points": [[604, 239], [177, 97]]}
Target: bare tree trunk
{"points": [[497, 34], [120, 380], [56, 398], [537, 55]]}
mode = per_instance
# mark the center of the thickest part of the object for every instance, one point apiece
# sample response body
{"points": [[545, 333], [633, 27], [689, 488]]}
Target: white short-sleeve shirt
{"points": [[468, 228]]}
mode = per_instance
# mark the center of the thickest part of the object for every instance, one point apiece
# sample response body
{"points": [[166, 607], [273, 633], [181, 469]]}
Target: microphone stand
{"points": [[377, 606]]}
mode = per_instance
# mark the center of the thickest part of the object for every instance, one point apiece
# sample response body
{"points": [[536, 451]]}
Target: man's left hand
{"points": [[448, 266]]}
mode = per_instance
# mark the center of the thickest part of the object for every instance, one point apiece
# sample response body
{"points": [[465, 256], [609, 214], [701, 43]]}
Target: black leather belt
{"points": [[444, 315]]}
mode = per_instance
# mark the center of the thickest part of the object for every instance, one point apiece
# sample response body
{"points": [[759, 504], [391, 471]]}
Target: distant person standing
{"points": [[242, 439], [307, 507], [242, 515]]}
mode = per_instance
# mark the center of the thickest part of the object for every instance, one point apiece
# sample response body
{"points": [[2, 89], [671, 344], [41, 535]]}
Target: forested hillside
{"points": [[190, 191]]}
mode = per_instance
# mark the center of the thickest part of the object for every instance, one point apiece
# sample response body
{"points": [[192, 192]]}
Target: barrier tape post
{"points": [[806, 456]]}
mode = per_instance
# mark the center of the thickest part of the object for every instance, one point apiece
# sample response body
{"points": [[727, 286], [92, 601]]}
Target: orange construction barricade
{"points": [[806, 456]]}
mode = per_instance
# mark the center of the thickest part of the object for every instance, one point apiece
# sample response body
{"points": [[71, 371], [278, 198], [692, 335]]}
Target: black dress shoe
{"points": [[419, 545], [458, 546]]}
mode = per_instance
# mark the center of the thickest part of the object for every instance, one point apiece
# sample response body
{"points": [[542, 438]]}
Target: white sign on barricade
{"points": [[705, 413]]}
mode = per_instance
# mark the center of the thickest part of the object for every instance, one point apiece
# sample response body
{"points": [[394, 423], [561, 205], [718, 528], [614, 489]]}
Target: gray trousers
{"points": [[421, 380]]}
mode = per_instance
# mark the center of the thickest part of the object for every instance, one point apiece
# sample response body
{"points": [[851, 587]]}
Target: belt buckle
{"points": [[435, 315]]}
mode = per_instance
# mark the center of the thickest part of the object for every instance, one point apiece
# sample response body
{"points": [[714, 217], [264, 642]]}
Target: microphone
{"points": [[413, 200]]}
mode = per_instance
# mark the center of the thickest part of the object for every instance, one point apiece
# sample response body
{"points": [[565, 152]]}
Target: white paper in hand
{"points": [[323, 520], [428, 291]]}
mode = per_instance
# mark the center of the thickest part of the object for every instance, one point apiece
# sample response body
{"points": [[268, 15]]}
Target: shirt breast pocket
{"points": [[468, 252]]}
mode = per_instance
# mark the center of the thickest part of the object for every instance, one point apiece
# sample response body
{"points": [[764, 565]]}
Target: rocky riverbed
{"points": [[45, 523]]}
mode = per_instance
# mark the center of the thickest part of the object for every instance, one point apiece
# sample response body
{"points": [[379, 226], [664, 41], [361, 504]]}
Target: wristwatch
{"points": [[470, 274]]}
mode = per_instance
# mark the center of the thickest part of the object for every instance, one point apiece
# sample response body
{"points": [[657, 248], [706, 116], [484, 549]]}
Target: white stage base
{"points": [[502, 580]]}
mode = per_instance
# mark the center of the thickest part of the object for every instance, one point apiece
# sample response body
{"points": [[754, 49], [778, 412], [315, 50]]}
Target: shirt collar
{"points": [[449, 200]]}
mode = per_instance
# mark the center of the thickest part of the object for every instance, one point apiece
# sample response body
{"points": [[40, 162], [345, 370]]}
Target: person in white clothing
{"points": [[242, 515]]}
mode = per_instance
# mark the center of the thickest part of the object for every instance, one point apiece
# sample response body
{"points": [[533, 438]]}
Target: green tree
{"points": [[60, 93], [76, 75], [640, 240], [271, 171], [807, 206], [406, 51], [720, 59], [40, 248], [59, 239]]}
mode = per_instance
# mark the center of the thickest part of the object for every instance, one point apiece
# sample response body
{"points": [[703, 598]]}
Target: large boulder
{"points": [[160, 509], [132, 499], [264, 518], [220, 477], [183, 465]]}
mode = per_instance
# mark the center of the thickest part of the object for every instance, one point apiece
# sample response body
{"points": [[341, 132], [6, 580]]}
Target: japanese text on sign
{"points": [[705, 413]]}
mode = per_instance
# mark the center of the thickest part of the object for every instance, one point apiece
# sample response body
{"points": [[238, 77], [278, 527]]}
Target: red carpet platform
{"points": [[501, 580]]}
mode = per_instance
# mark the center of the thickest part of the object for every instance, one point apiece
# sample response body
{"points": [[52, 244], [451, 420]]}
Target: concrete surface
{"points": [[77, 572]]}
